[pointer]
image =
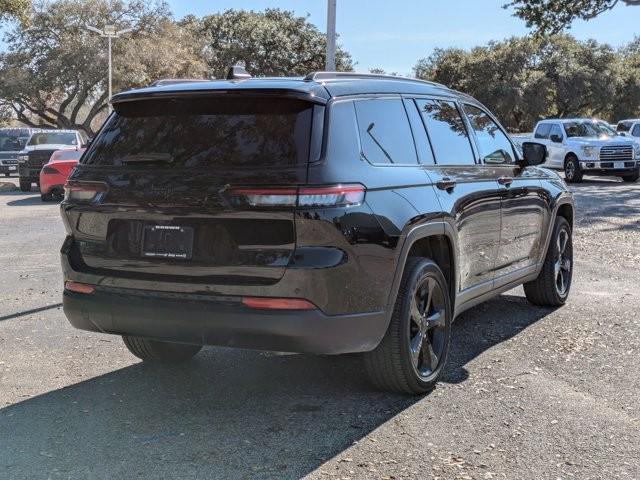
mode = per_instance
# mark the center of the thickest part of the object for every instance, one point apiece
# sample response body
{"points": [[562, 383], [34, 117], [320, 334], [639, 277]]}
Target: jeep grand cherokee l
{"points": [[331, 214]]}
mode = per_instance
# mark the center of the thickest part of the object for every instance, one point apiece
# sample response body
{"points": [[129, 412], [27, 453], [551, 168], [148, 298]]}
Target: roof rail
{"points": [[319, 76], [173, 81]]}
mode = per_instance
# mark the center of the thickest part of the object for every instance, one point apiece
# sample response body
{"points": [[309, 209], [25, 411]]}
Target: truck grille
{"points": [[8, 155], [616, 153], [38, 158], [12, 161]]}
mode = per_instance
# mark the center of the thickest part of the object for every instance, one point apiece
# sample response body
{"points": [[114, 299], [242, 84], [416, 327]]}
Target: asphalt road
{"points": [[529, 393]]}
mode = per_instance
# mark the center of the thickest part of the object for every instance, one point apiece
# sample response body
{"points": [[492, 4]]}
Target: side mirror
{"points": [[87, 143], [555, 138], [533, 154]]}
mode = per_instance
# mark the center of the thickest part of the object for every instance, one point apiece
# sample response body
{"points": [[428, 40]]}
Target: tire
{"points": [[545, 290], [25, 186], [631, 178], [572, 172], [46, 197], [391, 366], [157, 351]]}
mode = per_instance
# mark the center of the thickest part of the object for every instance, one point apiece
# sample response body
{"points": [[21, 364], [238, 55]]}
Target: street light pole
{"points": [[330, 65], [110, 32]]}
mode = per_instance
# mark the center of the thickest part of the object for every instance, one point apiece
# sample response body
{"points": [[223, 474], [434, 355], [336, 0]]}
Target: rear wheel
{"points": [[572, 172], [157, 351], [551, 288], [413, 352], [25, 186], [631, 178]]}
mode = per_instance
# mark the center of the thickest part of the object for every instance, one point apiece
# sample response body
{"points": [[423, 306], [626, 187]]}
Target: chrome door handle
{"points": [[505, 181], [446, 184]]}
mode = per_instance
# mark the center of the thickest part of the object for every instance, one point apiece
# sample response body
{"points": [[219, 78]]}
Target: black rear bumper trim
{"points": [[224, 322]]}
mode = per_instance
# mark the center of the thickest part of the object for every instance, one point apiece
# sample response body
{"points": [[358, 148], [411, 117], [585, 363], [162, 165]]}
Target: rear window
{"points": [[226, 132], [543, 131]]}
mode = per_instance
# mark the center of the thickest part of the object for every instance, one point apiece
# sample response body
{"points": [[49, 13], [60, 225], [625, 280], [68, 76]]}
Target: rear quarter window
{"points": [[231, 132], [385, 134]]}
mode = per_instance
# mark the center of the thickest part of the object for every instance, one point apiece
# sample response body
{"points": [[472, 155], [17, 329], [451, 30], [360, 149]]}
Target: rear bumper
{"points": [[224, 321]]}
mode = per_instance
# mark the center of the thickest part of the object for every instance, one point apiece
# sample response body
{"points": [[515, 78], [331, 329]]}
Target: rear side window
{"points": [[205, 132], [543, 131], [636, 130], [447, 132], [385, 134], [495, 148], [623, 126]]}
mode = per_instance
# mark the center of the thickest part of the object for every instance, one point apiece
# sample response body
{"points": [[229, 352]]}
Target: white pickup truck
{"points": [[582, 146]]}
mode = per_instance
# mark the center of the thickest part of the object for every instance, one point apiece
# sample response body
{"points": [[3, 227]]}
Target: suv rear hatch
{"points": [[164, 191]]}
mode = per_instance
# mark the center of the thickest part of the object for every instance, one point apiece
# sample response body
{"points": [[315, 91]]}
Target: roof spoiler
{"points": [[174, 81]]}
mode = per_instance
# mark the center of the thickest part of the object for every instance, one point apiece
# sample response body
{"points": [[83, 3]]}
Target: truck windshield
{"points": [[587, 129], [227, 132], [11, 142], [52, 138]]}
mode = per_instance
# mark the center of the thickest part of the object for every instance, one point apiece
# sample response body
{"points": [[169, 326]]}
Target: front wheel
{"points": [[572, 172], [551, 288], [412, 354], [46, 197], [157, 351], [632, 177]]}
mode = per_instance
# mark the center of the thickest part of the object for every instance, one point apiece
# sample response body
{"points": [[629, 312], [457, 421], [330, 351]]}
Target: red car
{"points": [[55, 173]]}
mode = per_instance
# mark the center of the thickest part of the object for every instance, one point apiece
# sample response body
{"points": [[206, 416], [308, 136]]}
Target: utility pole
{"points": [[110, 32], [330, 65]]}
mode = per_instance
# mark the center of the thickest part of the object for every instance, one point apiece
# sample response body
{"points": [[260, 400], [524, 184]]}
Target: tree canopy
{"points": [[269, 43], [14, 10], [553, 16], [525, 79]]}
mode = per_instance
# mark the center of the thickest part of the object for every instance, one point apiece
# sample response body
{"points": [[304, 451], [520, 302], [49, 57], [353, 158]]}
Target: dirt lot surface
{"points": [[529, 393]]}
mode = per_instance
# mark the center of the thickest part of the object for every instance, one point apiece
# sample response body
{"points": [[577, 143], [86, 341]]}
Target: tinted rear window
{"points": [[227, 132], [543, 130]]}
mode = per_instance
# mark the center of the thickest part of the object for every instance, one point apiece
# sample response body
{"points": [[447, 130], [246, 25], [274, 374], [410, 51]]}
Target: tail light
{"points": [[308, 197], [267, 303], [84, 191], [79, 287], [50, 170]]}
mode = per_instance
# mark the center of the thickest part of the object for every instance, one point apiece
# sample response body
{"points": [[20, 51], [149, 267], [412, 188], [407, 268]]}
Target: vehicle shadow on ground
{"points": [[29, 201], [227, 414]]}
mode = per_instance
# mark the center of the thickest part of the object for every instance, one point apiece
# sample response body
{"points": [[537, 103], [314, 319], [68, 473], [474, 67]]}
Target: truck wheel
{"points": [[631, 178], [412, 354], [157, 351], [572, 172], [551, 288], [46, 197], [25, 186]]}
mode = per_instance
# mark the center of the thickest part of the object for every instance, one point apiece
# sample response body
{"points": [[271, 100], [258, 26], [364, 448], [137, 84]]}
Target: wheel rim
{"points": [[563, 263], [427, 326], [570, 170]]}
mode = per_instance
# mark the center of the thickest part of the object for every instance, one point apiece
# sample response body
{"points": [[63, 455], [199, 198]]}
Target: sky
{"points": [[393, 35]]}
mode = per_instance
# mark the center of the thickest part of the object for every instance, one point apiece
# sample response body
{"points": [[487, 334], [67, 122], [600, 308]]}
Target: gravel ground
{"points": [[529, 393]]}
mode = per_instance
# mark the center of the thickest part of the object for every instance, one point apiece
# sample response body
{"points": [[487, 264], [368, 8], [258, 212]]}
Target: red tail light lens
{"points": [[79, 287], [326, 196], [84, 191], [265, 303]]}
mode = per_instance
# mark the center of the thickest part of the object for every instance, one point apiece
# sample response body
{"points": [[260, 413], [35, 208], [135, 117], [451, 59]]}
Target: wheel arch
{"points": [[433, 240]]}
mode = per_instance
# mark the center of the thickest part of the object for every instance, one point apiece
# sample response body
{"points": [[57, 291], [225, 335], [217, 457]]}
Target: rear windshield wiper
{"points": [[148, 158]]}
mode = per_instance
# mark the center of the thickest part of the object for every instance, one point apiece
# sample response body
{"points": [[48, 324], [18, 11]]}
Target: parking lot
{"points": [[529, 392]]}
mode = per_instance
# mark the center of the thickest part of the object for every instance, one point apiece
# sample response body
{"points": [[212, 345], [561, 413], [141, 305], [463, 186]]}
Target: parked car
{"points": [[38, 150], [12, 141], [629, 128], [583, 146], [54, 174], [339, 213]]}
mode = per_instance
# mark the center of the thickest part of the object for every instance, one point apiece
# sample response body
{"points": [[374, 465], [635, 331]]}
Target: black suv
{"points": [[336, 213]]}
